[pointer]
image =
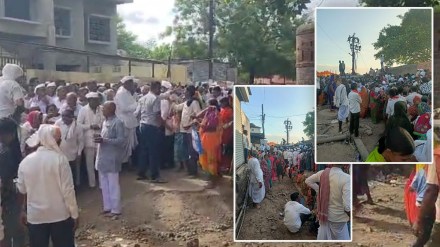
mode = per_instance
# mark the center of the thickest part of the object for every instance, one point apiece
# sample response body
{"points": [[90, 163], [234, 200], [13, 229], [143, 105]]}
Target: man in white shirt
{"points": [[165, 112], [394, 97], [11, 93], [186, 153], [295, 214], [354, 103], [71, 102], [72, 143], [90, 118], [341, 102], [40, 100], [51, 89], [334, 227], [257, 191], [125, 107], [45, 179], [60, 99], [427, 228], [150, 134]]}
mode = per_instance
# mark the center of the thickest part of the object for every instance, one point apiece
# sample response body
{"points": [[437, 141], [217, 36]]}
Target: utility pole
{"points": [[211, 37], [263, 117], [355, 47], [288, 125]]}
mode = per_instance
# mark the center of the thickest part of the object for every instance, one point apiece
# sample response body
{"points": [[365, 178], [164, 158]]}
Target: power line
{"points": [[286, 116], [328, 36]]}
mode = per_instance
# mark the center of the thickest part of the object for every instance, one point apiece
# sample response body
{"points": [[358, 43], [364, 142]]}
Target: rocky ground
{"points": [[179, 213], [339, 151], [266, 223], [385, 223]]}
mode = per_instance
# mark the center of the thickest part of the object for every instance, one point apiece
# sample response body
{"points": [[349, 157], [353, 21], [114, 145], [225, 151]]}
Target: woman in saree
{"points": [[226, 119], [413, 111], [423, 122], [210, 136], [266, 172], [399, 119], [365, 102]]}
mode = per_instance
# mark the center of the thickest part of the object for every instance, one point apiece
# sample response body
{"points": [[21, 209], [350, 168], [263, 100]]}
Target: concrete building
{"points": [[86, 25], [305, 54], [255, 128], [241, 123]]}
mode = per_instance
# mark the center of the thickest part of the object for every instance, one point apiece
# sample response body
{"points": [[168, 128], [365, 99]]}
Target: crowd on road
{"points": [[403, 103], [50, 131], [323, 198]]}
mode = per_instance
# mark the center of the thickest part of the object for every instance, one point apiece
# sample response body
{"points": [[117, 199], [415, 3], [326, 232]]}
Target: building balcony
{"points": [[22, 27]]}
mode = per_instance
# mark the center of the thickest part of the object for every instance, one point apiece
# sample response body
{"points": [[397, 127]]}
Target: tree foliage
{"points": [[127, 41], [401, 3], [408, 43], [309, 125], [256, 36]]}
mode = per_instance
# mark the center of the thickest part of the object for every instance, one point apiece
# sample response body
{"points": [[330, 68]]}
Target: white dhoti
{"points": [[333, 231], [90, 154], [130, 144], [111, 192], [257, 194]]}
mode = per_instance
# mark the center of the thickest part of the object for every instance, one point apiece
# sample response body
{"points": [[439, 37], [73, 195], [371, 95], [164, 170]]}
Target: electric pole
{"points": [[355, 47], [288, 125], [211, 37], [263, 117]]}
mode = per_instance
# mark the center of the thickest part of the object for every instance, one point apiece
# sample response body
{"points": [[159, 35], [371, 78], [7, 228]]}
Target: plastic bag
{"points": [[196, 142]]}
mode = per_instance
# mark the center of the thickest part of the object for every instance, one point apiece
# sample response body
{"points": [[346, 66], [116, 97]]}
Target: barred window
{"points": [[99, 29], [62, 22]]}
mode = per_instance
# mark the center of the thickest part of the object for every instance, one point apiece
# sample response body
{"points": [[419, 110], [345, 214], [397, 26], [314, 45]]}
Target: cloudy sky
{"points": [[149, 18]]}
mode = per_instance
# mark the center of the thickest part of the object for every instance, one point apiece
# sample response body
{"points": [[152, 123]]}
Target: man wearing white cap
{"points": [[125, 107], [165, 111], [11, 93], [51, 88], [41, 100], [90, 118]]}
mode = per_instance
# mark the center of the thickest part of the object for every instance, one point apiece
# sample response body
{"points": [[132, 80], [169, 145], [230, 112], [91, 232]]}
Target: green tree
{"points": [[256, 36], [127, 41], [401, 3], [408, 43], [309, 125]]}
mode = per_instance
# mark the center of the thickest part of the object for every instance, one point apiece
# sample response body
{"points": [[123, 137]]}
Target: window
{"points": [[62, 22], [98, 69], [117, 69], [19, 9], [99, 29]]}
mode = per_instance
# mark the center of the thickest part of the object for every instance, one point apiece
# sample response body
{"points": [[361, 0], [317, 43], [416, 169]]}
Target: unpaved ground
{"points": [[385, 223], [160, 215], [339, 151], [266, 223]]}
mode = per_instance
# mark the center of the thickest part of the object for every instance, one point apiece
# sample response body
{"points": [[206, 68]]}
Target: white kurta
{"points": [[72, 140], [125, 107], [256, 176]]}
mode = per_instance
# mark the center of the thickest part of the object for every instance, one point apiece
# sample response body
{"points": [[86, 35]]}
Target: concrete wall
{"points": [[178, 74], [200, 71]]}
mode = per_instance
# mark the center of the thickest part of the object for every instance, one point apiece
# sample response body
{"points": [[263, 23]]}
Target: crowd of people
{"points": [[50, 131], [323, 197], [403, 103]]}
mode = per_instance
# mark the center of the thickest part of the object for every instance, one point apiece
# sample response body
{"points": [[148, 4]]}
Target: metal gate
{"points": [[6, 57]]}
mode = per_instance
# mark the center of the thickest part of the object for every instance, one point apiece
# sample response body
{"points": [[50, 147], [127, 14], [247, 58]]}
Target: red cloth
{"points": [[411, 209], [324, 195], [33, 119]]}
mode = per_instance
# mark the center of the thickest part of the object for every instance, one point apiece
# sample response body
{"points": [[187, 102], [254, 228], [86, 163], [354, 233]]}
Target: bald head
{"points": [[109, 109], [71, 100]]}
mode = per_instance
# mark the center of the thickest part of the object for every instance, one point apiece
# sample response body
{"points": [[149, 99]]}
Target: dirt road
{"points": [[169, 214], [385, 223], [338, 151], [266, 223]]}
